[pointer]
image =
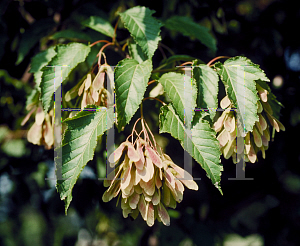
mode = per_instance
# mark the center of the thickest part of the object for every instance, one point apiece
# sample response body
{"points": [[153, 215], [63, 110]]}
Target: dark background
{"points": [[264, 211]]}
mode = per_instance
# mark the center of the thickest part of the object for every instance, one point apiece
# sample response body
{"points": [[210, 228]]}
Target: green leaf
{"points": [[187, 27], [175, 58], [71, 34], [135, 52], [39, 61], [202, 145], [131, 81], [32, 98], [238, 75], [78, 147], [182, 92], [100, 25], [144, 28], [67, 56], [32, 36], [207, 82]]}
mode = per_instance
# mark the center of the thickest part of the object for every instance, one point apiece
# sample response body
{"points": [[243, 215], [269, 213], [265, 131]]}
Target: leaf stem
{"points": [[115, 31], [124, 46], [154, 98], [216, 58], [99, 41], [141, 108], [133, 130], [101, 50], [151, 82], [185, 63]]}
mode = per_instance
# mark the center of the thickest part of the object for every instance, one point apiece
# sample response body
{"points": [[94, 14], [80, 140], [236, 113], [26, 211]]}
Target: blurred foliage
{"points": [[265, 211]]}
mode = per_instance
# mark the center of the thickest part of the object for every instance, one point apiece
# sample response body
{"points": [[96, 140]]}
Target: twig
{"points": [[216, 58]]}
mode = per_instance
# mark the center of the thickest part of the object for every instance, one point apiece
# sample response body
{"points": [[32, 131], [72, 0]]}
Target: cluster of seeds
{"points": [[93, 91], [228, 129], [146, 180], [41, 132]]}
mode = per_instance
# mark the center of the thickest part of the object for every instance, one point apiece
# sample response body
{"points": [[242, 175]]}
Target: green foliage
{"points": [[238, 75], [201, 144], [182, 92], [131, 82], [67, 58], [132, 74], [78, 146], [187, 27], [207, 82], [135, 51], [100, 25], [38, 62], [143, 28], [71, 34], [175, 58], [32, 31]]}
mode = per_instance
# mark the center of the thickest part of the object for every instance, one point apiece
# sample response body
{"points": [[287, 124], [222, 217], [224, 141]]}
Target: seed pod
{"points": [[148, 180], [263, 93], [257, 137]]}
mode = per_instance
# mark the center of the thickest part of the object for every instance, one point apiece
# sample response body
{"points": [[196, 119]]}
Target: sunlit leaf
{"points": [[67, 58], [207, 82], [78, 146], [182, 92], [100, 25], [144, 28], [239, 75], [202, 145], [131, 80], [39, 61], [136, 52]]}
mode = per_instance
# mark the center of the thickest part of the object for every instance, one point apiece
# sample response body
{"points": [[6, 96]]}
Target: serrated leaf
{"points": [[100, 25], [67, 56], [136, 52], [78, 146], [238, 75], [182, 92], [207, 82], [131, 80], [187, 27], [39, 61], [144, 28], [202, 145]]}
